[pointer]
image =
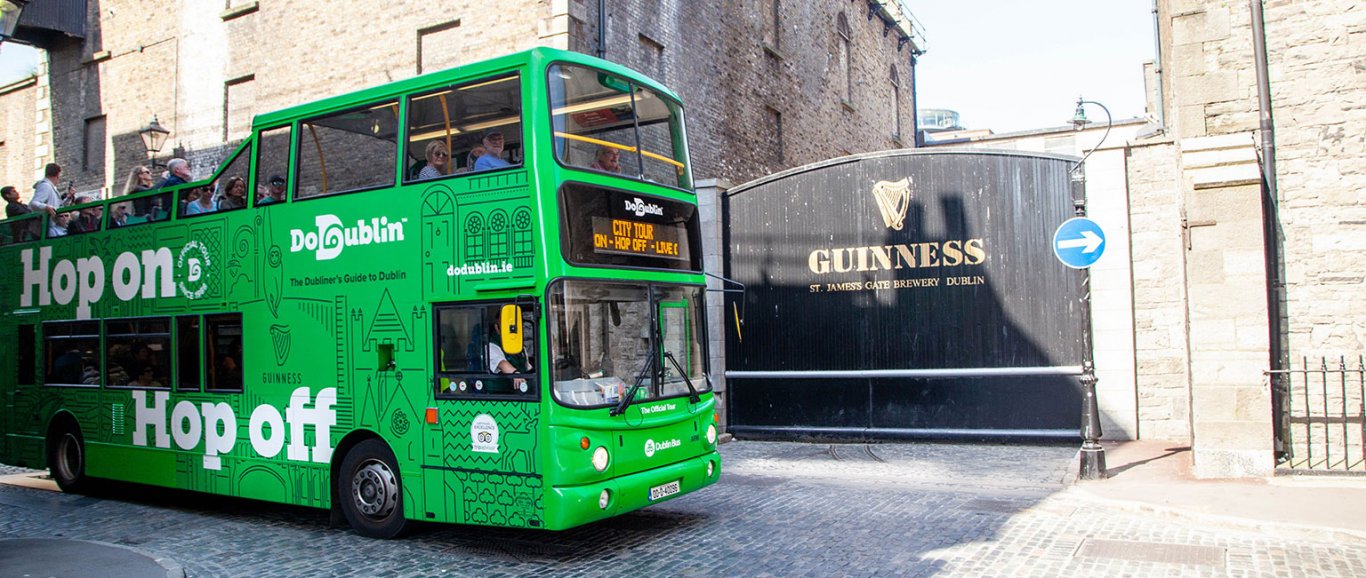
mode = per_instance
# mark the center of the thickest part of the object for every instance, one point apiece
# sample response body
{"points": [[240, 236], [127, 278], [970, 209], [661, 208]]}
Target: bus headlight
{"points": [[711, 468], [711, 434], [600, 459], [604, 498]]}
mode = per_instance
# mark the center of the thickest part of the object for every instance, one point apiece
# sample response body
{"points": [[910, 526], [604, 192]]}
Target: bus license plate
{"points": [[663, 491]]}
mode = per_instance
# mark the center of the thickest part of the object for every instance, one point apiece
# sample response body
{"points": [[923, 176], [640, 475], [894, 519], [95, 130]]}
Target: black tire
{"points": [[370, 490], [66, 460]]}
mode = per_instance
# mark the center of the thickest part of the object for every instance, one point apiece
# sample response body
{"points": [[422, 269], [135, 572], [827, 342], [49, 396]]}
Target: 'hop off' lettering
{"points": [[216, 425]]}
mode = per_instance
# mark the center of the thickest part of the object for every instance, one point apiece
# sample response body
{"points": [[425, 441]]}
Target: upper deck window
{"points": [[606, 123], [347, 151], [470, 127]]}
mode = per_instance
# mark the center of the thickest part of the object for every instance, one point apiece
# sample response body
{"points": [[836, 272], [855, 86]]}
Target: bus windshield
{"points": [[607, 336], [608, 124]]}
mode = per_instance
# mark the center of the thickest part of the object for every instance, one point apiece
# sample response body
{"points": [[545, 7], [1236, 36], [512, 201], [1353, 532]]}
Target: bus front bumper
{"points": [[570, 506]]}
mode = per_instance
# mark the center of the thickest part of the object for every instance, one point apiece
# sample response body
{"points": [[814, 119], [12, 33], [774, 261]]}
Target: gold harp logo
{"points": [[893, 198]]}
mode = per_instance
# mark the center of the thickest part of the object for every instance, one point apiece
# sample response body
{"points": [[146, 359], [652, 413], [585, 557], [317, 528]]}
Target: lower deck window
{"points": [[72, 353], [223, 348], [139, 352]]}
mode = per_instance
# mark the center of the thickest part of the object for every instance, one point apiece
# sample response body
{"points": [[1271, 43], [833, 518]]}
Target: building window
{"points": [[439, 46], [652, 57], [775, 120], [773, 24], [896, 103], [239, 104], [92, 158], [845, 53]]}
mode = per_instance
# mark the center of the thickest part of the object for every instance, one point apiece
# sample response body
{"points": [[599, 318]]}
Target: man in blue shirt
{"points": [[493, 155]]}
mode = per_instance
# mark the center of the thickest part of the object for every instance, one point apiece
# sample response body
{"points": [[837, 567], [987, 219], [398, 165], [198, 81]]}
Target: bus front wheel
{"points": [[370, 490], [66, 460]]}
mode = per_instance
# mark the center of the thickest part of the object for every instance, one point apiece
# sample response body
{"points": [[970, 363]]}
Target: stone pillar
{"points": [[709, 192], [1229, 339]]}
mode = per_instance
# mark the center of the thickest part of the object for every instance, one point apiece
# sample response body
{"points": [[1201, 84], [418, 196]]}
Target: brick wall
{"points": [[17, 133], [714, 54]]}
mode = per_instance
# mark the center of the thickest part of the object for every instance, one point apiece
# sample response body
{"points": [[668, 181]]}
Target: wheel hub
{"points": [[374, 490]]}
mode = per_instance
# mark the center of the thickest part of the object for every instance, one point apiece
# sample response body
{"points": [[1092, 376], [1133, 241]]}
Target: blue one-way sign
{"points": [[1079, 242]]}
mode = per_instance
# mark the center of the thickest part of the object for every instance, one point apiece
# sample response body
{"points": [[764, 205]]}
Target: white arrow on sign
{"points": [[1089, 240]]}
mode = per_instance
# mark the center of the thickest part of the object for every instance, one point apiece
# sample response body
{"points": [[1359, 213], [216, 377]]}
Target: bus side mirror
{"points": [[511, 324]]}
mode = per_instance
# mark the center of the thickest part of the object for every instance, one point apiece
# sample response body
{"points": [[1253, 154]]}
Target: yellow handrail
{"points": [[629, 149]]}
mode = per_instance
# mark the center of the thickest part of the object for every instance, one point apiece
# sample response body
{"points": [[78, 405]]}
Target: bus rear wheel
{"points": [[370, 490], [66, 460]]}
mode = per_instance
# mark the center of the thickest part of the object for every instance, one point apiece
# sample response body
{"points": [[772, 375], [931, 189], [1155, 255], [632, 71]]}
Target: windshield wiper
{"points": [[694, 397], [631, 394]]}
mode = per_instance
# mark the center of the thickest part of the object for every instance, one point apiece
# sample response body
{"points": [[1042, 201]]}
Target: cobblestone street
{"points": [[782, 509]]}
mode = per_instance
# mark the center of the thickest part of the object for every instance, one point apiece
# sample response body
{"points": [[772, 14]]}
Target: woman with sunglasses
{"points": [[437, 159], [139, 179]]}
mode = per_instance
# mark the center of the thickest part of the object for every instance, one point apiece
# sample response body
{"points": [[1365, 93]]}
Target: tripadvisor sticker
{"points": [[484, 434]]}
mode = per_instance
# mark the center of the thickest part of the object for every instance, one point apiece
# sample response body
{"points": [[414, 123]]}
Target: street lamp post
{"points": [[1092, 454], [153, 138]]}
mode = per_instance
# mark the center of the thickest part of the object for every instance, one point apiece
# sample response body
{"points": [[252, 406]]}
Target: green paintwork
{"points": [[318, 326]]}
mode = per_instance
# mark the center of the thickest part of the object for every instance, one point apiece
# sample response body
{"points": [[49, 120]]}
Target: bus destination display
{"points": [[627, 237]]}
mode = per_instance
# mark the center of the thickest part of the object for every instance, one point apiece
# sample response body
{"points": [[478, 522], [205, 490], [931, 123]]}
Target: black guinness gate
{"points": [[903, 294]]}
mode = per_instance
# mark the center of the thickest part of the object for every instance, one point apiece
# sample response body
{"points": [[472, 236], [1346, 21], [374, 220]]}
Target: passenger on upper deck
{"points": [[139, 179], [493, 157], [57, 224], [475, 153], [609, 159], [438, 157], [235, 196], [89, 220], [276, 192], [200, 201], [119, 217], [180, 173], [13, 208], [45, 197]]}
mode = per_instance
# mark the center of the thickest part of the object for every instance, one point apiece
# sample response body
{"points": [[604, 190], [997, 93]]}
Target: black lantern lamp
{"points": [[9, 17], [153, 138]]}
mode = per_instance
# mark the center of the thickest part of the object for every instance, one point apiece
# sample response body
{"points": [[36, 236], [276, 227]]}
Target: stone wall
{"points": [[1317, 62]]}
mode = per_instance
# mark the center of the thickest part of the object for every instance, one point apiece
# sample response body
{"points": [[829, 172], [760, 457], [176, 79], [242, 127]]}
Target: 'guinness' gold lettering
{"points": [[896, 257]]}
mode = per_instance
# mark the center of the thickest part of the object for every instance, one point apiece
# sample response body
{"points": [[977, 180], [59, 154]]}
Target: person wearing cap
{"points": [[277, 191], [493, 152]]}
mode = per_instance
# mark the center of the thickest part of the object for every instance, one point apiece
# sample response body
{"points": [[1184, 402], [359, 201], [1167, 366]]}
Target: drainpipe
{"points": [[1270, 231], [915, 102], [1268, 128], [1161, 112], [602, 29]]}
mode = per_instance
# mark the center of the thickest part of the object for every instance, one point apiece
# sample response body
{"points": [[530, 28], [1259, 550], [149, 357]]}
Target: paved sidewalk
{"points": [[1156, 477]]}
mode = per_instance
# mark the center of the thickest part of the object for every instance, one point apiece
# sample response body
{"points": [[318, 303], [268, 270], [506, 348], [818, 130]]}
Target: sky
{"points": [[1004, 65], [1010, 65], [16, 61]]}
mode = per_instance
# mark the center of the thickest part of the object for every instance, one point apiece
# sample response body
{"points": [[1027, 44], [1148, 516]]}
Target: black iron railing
{"points": [[1321, 415]]}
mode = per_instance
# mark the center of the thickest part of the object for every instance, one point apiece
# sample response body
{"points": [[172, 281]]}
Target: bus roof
{"points": [[536, 56]]}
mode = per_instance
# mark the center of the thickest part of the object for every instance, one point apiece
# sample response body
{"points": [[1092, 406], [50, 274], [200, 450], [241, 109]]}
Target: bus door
{"points": [[487, 383]]}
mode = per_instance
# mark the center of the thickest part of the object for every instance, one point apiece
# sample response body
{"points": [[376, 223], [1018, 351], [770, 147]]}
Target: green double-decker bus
{"points": [[474, 296]]}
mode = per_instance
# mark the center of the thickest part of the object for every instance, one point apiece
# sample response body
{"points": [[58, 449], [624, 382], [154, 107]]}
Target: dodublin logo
{"points": [[893, 198], [193, 260]]}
